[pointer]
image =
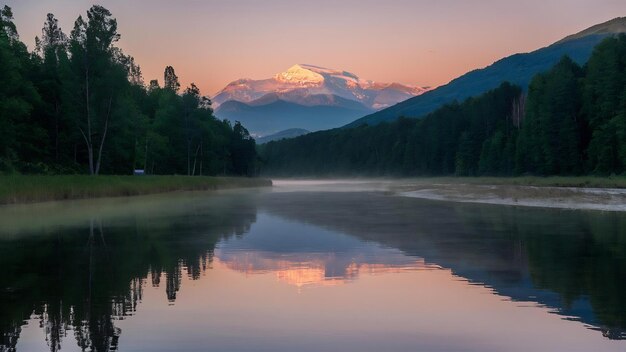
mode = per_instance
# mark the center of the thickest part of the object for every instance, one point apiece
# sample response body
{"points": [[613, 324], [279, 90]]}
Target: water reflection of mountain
{"points": [[305, 256], [571, 261], [79, 271], [80, 278]]}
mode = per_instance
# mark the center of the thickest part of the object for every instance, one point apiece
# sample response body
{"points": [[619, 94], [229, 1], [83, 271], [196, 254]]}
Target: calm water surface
{"points": [[309, 267]]}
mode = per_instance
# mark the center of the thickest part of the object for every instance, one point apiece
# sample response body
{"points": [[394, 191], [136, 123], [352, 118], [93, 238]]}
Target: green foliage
{"points": [[551, 138], [37, 188], [19, 133], [78, 104], [572, 122], [243, 148], [604, 104], [448, 141]]}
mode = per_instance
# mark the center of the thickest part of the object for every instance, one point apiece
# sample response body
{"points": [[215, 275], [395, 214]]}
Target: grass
{"points": [[552, 181], [16, 189]]}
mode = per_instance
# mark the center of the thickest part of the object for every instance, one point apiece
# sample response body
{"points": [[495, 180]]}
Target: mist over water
{"points": [[309, 266]]}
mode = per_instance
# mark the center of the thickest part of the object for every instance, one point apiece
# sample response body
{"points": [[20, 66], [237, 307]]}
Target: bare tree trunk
{"points": [[195, 159], [188, 156], [56, 130], [201, 157], [88, 136], [519, 110], [89, 150], [104, 135]]}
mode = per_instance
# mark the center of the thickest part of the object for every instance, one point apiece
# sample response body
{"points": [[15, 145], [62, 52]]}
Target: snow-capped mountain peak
{"points": [[302, 80], [300, 74]]}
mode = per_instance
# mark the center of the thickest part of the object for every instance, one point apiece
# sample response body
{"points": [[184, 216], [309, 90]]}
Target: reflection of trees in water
{"points": [[573, 261], [10, 334], [81, 279], [580, 256]]}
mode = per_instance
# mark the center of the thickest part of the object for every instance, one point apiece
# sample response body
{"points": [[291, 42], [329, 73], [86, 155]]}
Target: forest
{"points": [[570, 121], [77, 104]]}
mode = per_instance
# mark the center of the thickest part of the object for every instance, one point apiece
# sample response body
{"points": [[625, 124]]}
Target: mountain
{"points": [[517, 69], [307, 97], [270, 114], [290, 133], [308, 100], [302, 81], [614, 26]]}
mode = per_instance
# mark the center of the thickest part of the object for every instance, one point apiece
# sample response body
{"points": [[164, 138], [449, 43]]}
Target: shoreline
{"points": [[567, 198], [21, 189], [577, 182], [586, 182], [527, 192]]}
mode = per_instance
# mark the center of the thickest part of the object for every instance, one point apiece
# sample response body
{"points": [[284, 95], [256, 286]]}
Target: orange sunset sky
{"points": [[427, 43]]}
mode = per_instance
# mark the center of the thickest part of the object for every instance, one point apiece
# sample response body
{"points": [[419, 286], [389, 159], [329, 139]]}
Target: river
{"points": [[309, 266]]}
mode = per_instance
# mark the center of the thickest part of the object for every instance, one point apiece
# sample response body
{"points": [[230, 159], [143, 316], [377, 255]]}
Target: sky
{"points": [[419, 42]]}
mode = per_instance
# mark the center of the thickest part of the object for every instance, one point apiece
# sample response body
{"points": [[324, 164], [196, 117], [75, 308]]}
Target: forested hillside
{"points": [[572, 121], [78, 104], [518, 69]]}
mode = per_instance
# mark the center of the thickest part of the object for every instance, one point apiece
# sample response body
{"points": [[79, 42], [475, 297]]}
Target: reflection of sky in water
{"points": [[303, 255], [235, 268]]}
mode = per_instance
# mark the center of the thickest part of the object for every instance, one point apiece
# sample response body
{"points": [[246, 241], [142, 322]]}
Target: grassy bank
{"points": [[553, 181], [29, 189]]}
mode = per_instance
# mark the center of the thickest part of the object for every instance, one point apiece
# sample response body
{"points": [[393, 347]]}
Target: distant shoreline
{"points": [[603, 199], [583, 193], [20, 189], [534, 181]]}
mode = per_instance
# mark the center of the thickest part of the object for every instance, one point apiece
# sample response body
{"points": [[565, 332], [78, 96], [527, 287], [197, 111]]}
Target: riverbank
{"points": [[570, 197], [555, 192], [534, 181], [16, 189]]}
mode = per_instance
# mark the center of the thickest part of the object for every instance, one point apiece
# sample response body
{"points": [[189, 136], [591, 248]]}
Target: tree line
{"points": [[570, 121], [78, 104]]}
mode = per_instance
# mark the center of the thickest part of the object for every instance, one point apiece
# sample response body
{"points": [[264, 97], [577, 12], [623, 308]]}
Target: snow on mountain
{"points": [[300, 82], [300, 75]]}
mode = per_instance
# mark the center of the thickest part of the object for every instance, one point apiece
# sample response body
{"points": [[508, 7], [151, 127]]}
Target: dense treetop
{"points": [[572, 121], [78, 104]]}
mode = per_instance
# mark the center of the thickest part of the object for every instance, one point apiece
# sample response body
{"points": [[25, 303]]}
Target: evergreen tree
{"points": [[98, 78], [550, 140], [243, 151], [79, 104], [19, 135], [170, 79], [604, 93], [52, 49]]}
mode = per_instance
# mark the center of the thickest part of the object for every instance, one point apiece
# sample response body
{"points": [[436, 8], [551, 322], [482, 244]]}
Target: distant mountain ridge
{"points": [[290, 133], [276, 115], [308, 97], [614, 26], [517, 69], [309, 100], [302, 81]]}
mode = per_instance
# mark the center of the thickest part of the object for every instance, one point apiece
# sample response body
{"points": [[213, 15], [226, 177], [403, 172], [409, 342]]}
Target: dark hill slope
{"points": [[278, 115], [517, 69]]}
